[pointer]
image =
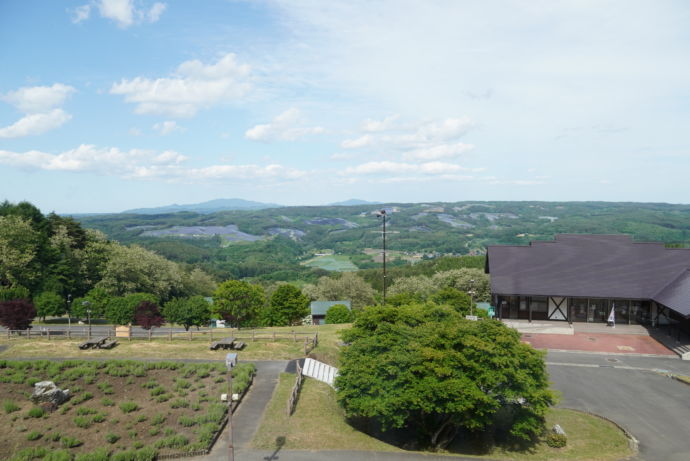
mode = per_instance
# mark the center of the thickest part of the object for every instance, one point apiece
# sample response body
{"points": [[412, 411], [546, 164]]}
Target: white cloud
{"points": [[286, 127], [155, 12], [194, 86], [357, 143], [120, 11], [167, 127], [387, 167], [36, 99], [438, 131], [387, 123], [438, 152], [38, 103], [33, 124], [143, 164], [81, 13]]}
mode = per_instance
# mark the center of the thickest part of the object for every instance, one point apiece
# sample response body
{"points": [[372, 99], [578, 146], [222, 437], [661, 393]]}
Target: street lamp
{"points": [[230, 362], [87, 305], [471, 293], [382, 214], [69, 314]]}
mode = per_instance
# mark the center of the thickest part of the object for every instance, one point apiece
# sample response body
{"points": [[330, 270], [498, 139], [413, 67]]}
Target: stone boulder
{"points": [[47, 391]]}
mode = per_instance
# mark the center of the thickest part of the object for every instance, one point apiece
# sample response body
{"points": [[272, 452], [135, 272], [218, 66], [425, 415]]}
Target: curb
{"points": [[633, 443]]}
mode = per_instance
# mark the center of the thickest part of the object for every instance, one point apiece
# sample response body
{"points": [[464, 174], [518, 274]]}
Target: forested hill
{"points": [[272, 242]]}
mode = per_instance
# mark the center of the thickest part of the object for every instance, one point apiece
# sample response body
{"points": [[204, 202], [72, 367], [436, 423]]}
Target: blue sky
{"points": [[107, 105]]}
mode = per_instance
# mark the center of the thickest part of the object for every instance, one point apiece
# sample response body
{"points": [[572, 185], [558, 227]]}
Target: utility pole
{"points": [[69, 314], [230, 362], [382, 214]]}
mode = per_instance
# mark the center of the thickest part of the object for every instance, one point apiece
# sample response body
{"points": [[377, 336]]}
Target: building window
{"points": [[598, 310], [540, 307], [621, 309], [578, 308]]}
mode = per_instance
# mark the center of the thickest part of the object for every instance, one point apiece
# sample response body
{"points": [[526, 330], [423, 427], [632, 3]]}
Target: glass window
{"points": [[598, 310], [540, 307], [621, 309], [640, 312], [578, 307]]}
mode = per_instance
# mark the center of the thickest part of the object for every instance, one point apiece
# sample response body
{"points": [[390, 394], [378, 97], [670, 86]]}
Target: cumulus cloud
{"points": [[167, 127], [287, 126], [193, 86], [143, 164], [154, 14], [387, 123], [81, 13], [357, 143], [33, 124], [438, 152], [386, 167], [38, 104], [35, 99]]}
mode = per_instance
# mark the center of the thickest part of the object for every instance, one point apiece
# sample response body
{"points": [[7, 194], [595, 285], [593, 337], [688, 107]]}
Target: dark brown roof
{"points": [[582, 265]]}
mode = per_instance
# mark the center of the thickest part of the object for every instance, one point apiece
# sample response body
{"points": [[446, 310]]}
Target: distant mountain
{"points": [[353, 202], [211, 206]]}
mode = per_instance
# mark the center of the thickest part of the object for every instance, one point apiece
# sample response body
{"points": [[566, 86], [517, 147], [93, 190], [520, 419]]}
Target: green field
{"points": [[339, 263]]}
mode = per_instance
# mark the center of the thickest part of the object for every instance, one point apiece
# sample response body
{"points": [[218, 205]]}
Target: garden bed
{"points": [[159, 408]]}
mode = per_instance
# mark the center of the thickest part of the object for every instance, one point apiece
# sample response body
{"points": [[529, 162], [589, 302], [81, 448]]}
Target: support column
{"points": [[529, 308]]}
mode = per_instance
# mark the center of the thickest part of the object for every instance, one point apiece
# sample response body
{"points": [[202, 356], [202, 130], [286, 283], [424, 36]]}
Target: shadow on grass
{"points": [[468, 443], [280, 442]]}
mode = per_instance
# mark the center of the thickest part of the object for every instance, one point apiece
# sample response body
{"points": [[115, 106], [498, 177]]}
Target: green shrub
{"points": [[158, 419], [98, 418], [158, 390], [55, 436], [162, 398], [182, 383], [141, 418], [196, 406], [144, 454], [70, 442], [34, 435], [83, 422], [173, 441], [150, 384], [111, 438], [132, 434], [83, 397], [105, 387], [58, 455], [186, 421], [36, 412], [101, 454], [168, 431], [33, 380], [106, 402], [128, 407], [28, 454], [81, 411], [138, 444], [179, 403], [555, 440], [10, 406], [206, 433]]}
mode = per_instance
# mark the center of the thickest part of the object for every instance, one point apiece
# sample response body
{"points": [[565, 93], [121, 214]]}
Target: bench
{"points": [[108, 344], [239, 345], [225, 343], [95, 342]]}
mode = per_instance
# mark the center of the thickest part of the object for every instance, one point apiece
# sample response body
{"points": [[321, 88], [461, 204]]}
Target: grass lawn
{"points": [[319, 423], [115, 406], [281, 349], [340, 263]]}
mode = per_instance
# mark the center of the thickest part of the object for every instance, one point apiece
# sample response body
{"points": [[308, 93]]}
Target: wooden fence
{"points": [[208, 334], [292, 400]]}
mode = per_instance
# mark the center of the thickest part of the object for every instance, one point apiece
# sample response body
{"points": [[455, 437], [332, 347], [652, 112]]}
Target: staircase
{"points": [[319, 371]]}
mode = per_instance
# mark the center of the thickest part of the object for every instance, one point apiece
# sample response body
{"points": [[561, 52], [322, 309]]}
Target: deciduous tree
{"points": [[426, 368], [348, 286], [192, 311], [17, 314], [287, 306], [147, 315], [49, 303], [338, 313], [120, 310], [238, 302]]}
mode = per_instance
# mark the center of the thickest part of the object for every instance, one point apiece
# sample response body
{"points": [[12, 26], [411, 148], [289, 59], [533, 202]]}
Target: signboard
{"points": [[472, 317], [230, 360]]}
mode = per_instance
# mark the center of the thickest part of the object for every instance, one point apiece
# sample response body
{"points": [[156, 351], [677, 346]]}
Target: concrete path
{"points": [[248, 416]]}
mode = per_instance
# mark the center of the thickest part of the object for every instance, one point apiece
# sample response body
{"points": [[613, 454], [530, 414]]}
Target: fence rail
{"points": [[310, 339], [294, 394]]}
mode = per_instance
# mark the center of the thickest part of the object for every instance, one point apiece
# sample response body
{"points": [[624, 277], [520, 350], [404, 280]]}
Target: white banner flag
{"points": [[612, 315]]}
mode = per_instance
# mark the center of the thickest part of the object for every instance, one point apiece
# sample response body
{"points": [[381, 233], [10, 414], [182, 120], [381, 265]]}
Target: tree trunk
{"points": [[444, 434]]}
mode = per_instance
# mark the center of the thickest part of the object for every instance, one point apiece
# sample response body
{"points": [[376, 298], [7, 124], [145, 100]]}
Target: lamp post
{"points": [[230, 362], [382, 214], [69, 314], [87, 305], [471, 293]]}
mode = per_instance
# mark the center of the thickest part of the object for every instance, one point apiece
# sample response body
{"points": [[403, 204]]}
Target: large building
{"points": [[580, 277]]}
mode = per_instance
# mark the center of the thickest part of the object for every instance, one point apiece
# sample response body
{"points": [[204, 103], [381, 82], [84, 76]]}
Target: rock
{"points": [[47, 391], [558, 429]]}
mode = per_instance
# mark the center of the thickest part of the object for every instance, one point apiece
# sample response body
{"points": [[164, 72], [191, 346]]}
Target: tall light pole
{"points": [[471, 293], [69, 313], [382, 214], [88, 314], [230, 362]]}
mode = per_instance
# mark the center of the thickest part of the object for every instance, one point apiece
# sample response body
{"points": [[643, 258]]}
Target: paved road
{"points": [[653, 407]]}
